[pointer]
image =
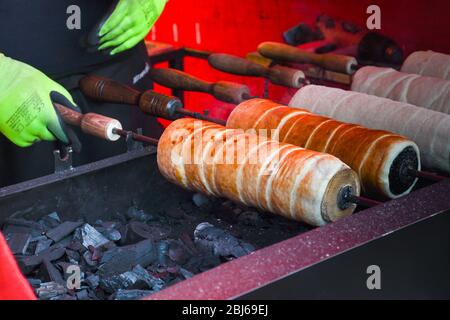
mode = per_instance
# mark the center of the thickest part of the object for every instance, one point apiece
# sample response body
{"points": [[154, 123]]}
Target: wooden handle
{"points": [[179, 80], [69, 116], [91, 123], [223, 90], [283, 52], [237, 65], [107, 90], [256, 57], [230, 92], [287, 77]]}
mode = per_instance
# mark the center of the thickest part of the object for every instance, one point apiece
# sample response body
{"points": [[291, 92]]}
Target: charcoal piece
{"points": [[63, 266], [201, 201], [62, 230], [28, 263], [76, 245], [175, 212], [24, 223], [82, 295], [250, 218], [89, 236], [49, 273], [137, 278], [108, 224], [35, 283], [50, 290], [87, 255], [111, 234], [92, 281], [10, 229], [162, 248], [187, 241], [97, 253], [18, 242], [186, 273], [137, 231], [122, 259], [42, 244], [50, 221], [220, 242], [177, 252], [130, 294], [64, 297], [134, 213], [153, 282], [73, 255]]}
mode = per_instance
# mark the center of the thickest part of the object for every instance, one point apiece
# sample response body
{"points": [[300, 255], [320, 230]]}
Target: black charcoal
{"points": [[92, 281], [50, 221], [201, 201], [122, 259], [48, 272], [42, 244], [89, 236], [87, 255], [63, 230], [130, 294], [35, 283], [28, 263], [220, 242], [137, 278], [50, 290], [111, 234], [134, 213], [18, 242], [186, 273], [137, 231], [82, 295]]}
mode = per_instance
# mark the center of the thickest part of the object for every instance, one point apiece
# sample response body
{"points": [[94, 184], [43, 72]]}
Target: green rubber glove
{"points": [[129, 23], [27, 114]]}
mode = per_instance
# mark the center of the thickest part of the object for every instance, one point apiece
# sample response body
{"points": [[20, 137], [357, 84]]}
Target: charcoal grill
{"points": [[407, 237], [283, 266]]}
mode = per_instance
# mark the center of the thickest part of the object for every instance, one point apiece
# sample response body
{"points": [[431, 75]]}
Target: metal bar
{"points": [[238, 277]]}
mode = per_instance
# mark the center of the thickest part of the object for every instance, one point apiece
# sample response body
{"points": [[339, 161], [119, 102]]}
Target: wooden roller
{"points": [[427, 92], [150, 102], [222, 90], [430, 130], [280, 178], [91, 123], [310, 71], [429, 64], [279, 75], [380, 158], [284, 52]]}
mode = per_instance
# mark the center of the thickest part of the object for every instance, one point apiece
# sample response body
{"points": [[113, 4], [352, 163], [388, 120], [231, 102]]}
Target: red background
{"points": [[238, 26]]}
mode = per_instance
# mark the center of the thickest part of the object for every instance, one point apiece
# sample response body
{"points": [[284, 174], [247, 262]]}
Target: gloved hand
{"points": [[27, 114], [129, 23]]}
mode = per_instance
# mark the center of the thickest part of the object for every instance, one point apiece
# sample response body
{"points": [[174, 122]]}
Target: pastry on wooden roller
{"points": [[280, 178], [427, 92], [379, 157], [428, 63], [430, 130]]}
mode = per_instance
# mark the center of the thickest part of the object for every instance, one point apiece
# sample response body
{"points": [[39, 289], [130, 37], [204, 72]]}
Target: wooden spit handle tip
{"points": [[179, 80], [236, 65], [91, 123], [222, 90], [284, 52]]}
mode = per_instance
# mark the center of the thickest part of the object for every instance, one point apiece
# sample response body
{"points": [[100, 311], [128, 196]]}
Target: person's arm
{"points": [[129, 23], [27, 114]]}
